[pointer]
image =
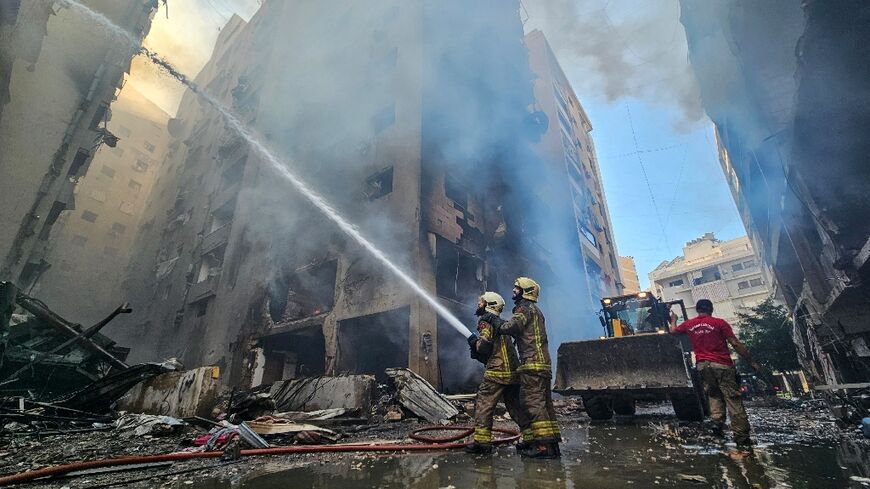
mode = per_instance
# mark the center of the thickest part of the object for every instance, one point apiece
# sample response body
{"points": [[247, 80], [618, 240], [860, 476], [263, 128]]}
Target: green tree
{"points": [[766, 331]]}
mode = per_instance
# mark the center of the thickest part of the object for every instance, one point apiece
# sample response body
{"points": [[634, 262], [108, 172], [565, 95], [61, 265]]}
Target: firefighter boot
{"points": [[478, 448], [541, 450]]}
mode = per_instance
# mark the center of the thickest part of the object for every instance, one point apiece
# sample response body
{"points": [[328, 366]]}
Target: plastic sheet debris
{"points": [[149, 424]]}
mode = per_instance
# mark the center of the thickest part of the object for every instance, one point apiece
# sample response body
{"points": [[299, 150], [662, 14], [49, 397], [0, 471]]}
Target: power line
{"points": [[652, 196], [676, 186]]}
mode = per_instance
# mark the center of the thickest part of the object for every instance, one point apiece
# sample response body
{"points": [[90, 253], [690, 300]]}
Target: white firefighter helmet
{"points": [[531, 289], [494, 302]]}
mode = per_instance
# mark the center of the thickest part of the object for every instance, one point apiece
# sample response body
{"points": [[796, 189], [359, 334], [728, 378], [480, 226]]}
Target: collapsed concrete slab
{"points": [[180, 394], [352, 392], [419, 397]]}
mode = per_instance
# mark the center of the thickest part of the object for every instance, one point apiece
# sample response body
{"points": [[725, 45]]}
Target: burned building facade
{"points": [[786, 85], [90, 247], [415, 121], [49, 47]]}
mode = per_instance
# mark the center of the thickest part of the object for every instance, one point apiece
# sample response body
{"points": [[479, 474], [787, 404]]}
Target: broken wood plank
{"points": [[419, 397]]}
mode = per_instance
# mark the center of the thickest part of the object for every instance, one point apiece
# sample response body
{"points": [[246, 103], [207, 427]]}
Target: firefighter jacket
{"points": [[527, 326], [496, 351]]}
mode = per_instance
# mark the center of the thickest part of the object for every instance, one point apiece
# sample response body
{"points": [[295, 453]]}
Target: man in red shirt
{"points": [[710, 337]]}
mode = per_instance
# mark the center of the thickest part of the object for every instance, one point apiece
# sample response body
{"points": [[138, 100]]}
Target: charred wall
{"points": [[782, 82]]}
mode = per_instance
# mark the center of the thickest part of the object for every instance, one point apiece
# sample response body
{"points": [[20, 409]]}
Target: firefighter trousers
{"points": [[720, 385], [537, 401], [488, 395]]}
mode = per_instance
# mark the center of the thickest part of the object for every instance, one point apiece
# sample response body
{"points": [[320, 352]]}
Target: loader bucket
{"points": [[639, 363]]}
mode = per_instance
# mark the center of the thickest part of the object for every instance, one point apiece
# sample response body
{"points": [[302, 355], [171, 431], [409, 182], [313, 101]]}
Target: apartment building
{"points": [[567, 145], [383, 109], [628, 273], [785, 85], [725, 272], [91, 247], [59, 72]]}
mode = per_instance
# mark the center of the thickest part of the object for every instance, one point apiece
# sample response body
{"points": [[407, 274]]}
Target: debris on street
{"points": [[419, 397]]}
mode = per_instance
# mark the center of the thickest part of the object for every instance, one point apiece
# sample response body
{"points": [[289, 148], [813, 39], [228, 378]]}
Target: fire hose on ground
{"points": [[429, 443]]}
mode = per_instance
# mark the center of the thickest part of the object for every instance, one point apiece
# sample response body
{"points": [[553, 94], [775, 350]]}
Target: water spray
{"points": [[281, 167]]}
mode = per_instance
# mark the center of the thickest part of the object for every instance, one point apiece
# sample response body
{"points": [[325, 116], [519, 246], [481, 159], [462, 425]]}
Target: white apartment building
{"points": [[726, 272]]}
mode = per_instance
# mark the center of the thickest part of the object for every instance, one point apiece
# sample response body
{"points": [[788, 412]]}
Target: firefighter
{"points": [[497, 352], [526, 325]]}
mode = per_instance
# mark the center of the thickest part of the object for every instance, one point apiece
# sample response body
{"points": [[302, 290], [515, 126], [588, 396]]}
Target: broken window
{"points": [[370, 344], [118, 229], [309, 291], [107, 171], [743, 285], [749, 264], [379, 184], [676, 283], [210, 266], [78, 240], [89, 216], [458, 274], [78, 164], [100, 115], [135, 186], [736, 267], [201, 308], [127, 208], [222, 216], [456, 192], [756, 282], [709, 274], [124, 131], [294, 355], [149, 147], [384, 119]]}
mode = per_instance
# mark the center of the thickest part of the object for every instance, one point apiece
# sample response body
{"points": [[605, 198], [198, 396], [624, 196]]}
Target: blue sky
{"points": [[626, 56], [687, 183]]}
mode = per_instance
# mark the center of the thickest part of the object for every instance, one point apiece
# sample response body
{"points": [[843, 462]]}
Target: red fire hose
{"points": [[430, 444]]}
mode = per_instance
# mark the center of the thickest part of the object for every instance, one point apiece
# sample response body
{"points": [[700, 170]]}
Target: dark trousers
{"points": [[488, 395], [537, 400], [720, 385]]}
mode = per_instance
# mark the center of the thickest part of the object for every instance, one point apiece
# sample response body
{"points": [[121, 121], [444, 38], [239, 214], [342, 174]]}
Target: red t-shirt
{"points": [[708, 336]]}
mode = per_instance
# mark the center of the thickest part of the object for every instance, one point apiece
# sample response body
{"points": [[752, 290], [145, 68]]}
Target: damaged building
{"points": [[91, 245], [419, 123], [48, 142], [786, 85]]}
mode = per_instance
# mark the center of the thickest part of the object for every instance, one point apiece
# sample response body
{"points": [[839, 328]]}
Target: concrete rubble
{"points": [[419, 397]]}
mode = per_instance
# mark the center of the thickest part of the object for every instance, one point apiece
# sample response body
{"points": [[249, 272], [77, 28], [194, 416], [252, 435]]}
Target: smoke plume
{"points": [[622, 48]]}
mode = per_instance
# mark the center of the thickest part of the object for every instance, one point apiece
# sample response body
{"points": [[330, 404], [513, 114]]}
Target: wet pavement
{"points": [[649, 451], [797, 447]]}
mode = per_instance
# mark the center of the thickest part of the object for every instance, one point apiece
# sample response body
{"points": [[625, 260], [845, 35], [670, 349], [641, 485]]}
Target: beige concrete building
{"points": [[726, 272], [369, 104], [628, 272], [91, 246], [59, 72], [568, 146]]}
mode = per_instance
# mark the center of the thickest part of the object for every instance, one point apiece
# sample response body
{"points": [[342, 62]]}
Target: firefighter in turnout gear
{"points": [[526, 325], [500, 381]]}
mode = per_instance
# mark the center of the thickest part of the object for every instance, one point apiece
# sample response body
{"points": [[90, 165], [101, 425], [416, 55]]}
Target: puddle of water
{"points": [[600, 456]]}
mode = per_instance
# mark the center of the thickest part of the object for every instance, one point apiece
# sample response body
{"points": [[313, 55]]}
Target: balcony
{"points": [[202, 290], [217, 238]]}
